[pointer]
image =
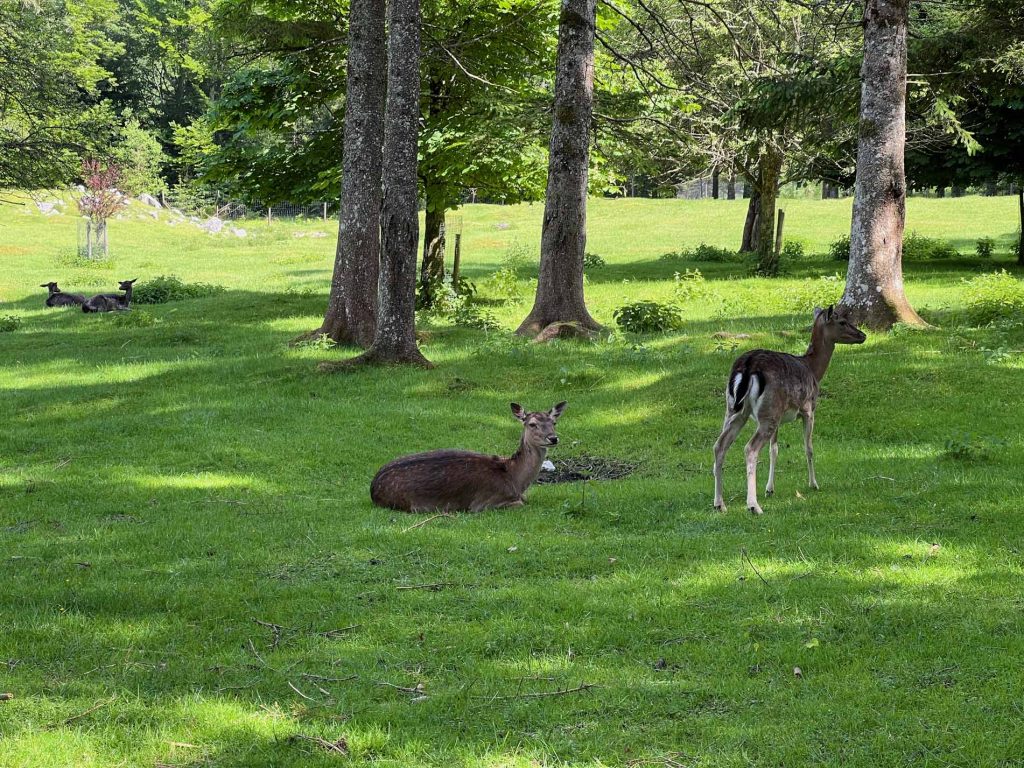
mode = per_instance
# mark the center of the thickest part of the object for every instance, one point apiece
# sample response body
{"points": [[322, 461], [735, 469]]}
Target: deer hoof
{"points": [[814, 486], [755, 509], [720, 507], [769, 491]]}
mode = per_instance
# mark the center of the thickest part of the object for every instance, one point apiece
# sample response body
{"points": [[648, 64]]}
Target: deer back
{"points": [[785, 381], [444, 480]]}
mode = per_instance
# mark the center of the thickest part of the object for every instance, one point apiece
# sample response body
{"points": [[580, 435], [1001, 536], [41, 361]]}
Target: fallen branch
{"points": [[745, 556], [424, 522], [339, 747], [436, 587], [322, 679], [87, 712], [418, 689], [544, 694], [332, 633], [307, 698]]}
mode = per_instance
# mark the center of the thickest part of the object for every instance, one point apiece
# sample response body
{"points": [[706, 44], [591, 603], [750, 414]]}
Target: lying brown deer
{"points": [[450, 481], [57, 297], [775, 388], [111, 302]]}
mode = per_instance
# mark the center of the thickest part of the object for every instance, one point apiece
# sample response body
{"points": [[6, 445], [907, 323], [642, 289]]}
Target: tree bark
{"points": [[770, 165], [351, 316], [432, 268], [750, 231], [940, 191], [564, 235], [714, 183], [874, 292], [1020, 240], [395, 341], [730, 189]]}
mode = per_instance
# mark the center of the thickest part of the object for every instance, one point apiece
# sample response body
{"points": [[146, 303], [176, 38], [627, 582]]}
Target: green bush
{"points": [[813, 292], [165, 288], [995, 296], [140, 157], [985, 248], [920, 248], [687, 285], [9, 323], [703, 252], [472, 316], [839, 250], [793, 250], [592, 260], [648, 317]]}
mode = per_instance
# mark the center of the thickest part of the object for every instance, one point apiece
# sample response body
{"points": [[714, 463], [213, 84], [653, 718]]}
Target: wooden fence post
{"points": [[455, 261], [778, 234]]}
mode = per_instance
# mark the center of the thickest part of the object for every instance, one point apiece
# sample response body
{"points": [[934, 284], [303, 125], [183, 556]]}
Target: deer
{"points": [[456, 481], [775, 388], [58, 298], [111, 302]]}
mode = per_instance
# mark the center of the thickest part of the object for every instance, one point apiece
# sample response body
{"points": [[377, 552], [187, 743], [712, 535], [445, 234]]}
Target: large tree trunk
{"points": [[874, 284], [714, 183], [432, 268], [351, 316], [395, 341], [564, 236], [750, 230], [770, 165]]}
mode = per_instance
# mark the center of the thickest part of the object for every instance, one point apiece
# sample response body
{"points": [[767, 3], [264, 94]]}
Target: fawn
{"points": [[450, 481], [775, 388], [110, 302], [58, 298]]}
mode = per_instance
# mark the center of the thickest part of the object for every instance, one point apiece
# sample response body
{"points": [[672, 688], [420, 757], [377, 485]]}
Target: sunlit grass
{"points": [[161, 487]]}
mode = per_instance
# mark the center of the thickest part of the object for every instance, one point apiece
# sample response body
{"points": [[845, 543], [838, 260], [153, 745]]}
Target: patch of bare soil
{"points": [[575, 468]]}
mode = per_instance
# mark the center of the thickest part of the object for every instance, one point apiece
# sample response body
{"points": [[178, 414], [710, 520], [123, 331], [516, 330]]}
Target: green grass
{"points": [[163, 483]]}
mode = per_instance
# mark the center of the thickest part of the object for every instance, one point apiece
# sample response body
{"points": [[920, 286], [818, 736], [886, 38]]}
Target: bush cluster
{"points": [[9, 323], [592, 260], [814, 292], [165, 288], [648, 317], [995, 296], [703, 252]]}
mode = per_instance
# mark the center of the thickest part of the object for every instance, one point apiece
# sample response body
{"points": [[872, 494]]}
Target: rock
{"points": [[213, 225], [239, 232], [149, 200]]}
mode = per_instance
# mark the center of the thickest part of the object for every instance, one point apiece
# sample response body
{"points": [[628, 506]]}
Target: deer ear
{"points": [[817, 311], [829, 312], [518, 412], [556, 411]]}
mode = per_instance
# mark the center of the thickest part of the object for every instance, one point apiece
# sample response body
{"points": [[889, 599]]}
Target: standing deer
{"points": [[110, 302], [775, 388], [58, 298], [449, 481]]}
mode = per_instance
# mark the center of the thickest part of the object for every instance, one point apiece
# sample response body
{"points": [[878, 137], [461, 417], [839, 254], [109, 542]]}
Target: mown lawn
{"points": [[167, 491]]}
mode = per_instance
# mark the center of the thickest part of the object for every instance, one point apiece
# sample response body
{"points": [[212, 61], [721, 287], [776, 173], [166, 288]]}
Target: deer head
{"points": [[835, 327], [539, 426], [126, 285], [51, 286]]}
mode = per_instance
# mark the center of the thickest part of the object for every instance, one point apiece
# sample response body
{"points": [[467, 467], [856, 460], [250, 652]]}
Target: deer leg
{"points": [[773, 456], [762, 436], [809, 449], [730, 429]]}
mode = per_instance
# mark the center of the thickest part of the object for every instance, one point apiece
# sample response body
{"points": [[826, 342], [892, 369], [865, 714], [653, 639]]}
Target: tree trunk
{"points": [[395, 341], [564, 235], [714, 183], [1020, 240], [351, 316], [432, 269], [874, 284], [730, 190], [958, 191], [770, 165], [940, 191], [750, 232]]}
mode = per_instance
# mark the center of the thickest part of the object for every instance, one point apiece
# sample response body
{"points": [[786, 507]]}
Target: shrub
{"points": [[966, 447], [9, 323], [648, 317], [793, 250], [687, 285], [985, 248], [813, 292], [920, 248], [140, 157], [839, 250], [703, 252], [504, 284], [166, 288], [592, 260], [472, 316], [994, 296]]}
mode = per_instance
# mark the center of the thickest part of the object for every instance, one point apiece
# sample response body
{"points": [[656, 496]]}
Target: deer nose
{"points": [[552, 440]]}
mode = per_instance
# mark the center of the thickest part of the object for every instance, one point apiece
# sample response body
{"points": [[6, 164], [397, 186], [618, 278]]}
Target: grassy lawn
{"points": [[167, 491]]}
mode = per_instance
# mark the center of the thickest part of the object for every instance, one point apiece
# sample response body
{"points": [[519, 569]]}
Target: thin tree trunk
{"points": [[940, 191], [770, 165], [874, 284], [750, 241], [730, 190], [351, 316], [1020, 240], [432, 268], [395, 341], [564, 236], [714, 183]]}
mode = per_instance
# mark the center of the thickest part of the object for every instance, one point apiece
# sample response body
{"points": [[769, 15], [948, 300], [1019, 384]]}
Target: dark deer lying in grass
{"points": [[774, 388], [58, 298], [111, 302], [449, 481]]}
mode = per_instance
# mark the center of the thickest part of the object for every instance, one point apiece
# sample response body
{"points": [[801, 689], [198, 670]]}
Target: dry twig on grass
{"points": [[80, 715], [339, 747], [543, 694]]}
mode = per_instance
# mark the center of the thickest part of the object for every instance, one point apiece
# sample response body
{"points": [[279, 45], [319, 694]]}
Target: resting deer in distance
{"points": [[58, 298], [775, 388], [450, 481], [111, 302]]}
